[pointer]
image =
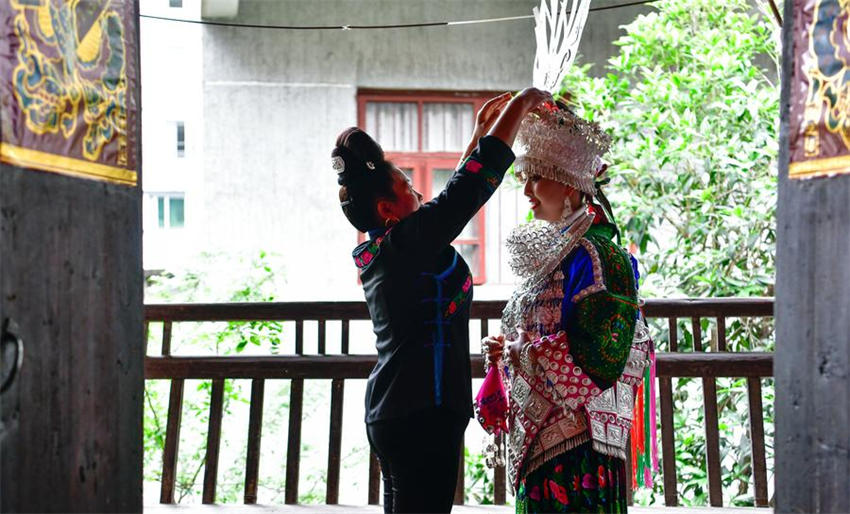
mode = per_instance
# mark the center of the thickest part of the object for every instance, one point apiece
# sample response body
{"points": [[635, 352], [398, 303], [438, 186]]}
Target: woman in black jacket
{"points": [[419, 290]]}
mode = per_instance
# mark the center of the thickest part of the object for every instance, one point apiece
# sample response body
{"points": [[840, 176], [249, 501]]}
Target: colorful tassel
{"points": [[644, 450]]}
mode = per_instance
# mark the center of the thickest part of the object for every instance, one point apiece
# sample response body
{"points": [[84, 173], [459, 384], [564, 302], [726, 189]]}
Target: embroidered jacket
{"points": [[582, 384], [418, 290]]}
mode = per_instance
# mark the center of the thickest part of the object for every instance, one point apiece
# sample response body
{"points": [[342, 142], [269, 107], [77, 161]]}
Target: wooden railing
{"points": [[705, 365]]}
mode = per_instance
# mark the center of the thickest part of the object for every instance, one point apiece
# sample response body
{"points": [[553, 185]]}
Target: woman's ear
{"points": [[385, 209], [574, 195]]}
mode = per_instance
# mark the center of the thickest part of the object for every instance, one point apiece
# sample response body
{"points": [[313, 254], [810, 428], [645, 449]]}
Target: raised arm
{"points": [[437, 223], [502, 115]]}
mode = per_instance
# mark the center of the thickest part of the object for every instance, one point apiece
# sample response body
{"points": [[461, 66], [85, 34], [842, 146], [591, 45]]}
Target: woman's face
{"points": [[407, 200], [547, 198]]}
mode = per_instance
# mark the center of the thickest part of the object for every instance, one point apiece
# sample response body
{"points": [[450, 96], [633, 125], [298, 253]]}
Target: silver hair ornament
{"points": [[338, 164]]}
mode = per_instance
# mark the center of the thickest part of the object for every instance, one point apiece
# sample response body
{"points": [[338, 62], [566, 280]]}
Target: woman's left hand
{"points": [[515, 347], [486, 117], [489, 113], [493, 347]]}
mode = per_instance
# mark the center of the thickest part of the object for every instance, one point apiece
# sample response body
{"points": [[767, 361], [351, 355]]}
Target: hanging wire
{"points": [[372, 27]]}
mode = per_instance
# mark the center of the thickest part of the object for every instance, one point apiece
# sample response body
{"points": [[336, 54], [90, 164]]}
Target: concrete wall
{"points": [[274, 101]]}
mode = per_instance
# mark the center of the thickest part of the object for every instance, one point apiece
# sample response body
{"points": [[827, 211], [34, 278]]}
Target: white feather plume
{"points": [[558, 25]]}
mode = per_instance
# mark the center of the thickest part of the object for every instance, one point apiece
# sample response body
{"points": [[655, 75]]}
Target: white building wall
{"points": [[172, 84]]}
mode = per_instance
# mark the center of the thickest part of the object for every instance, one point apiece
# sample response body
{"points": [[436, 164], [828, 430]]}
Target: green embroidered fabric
{"points": [[603, 327]]}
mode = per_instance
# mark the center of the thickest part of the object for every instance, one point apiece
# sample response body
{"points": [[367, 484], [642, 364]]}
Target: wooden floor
{"points": [[373, 509]]}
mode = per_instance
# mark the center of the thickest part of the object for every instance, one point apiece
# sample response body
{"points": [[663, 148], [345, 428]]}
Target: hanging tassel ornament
{"points": [[494, 452], [644, 448]]}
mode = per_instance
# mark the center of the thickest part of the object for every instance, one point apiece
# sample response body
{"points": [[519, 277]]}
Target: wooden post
{"points": [[255, 431], [71, 275], [668, 450], [460, 488], [293, 448], [213, 441], [172, 442], [813, 278], [335, 441]]}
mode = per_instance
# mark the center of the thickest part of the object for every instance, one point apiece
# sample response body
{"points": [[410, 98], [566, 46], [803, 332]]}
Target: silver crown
{"points": [[560, 146]]}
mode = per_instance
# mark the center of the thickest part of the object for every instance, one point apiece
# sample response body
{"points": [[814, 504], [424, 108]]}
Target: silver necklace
{"points": [[536, 249]]}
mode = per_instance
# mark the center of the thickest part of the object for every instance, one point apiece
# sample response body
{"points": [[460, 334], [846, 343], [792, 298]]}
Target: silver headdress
{"points": [[556, 144], [562, 147]]}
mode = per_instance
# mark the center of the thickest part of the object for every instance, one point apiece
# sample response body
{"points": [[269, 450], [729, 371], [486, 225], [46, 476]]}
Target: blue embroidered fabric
{"points": [[438, 337]]}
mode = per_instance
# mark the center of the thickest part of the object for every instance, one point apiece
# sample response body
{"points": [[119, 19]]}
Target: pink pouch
{"points": [[491, 403]]}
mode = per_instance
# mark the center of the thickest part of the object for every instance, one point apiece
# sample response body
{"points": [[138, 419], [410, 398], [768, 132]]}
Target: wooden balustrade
{"points": [[708, 366]]}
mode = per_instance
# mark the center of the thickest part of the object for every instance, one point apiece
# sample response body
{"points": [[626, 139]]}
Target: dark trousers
{"points": [[419, 456]]}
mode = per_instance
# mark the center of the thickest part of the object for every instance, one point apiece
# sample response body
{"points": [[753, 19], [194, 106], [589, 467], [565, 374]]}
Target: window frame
{"points": [[180, 138], [423, 163], [166, 198]]}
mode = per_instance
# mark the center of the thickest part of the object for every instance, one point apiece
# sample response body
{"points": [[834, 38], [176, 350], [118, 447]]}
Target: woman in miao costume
{"points": [[577, 348], [573, 349]]}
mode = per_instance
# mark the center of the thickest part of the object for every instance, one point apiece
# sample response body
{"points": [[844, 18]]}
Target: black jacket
{"points": [[419, 290]]}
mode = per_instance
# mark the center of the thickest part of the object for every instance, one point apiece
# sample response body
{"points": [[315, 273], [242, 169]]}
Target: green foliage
{"points": [[694, 118], [231, 278], [478, 479], [222, 278], [692, 107]]}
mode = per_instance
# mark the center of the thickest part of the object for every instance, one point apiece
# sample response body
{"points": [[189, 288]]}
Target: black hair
{"points": [[364, 175]]}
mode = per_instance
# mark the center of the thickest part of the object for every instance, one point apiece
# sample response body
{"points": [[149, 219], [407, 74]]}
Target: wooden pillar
{"points": [[813, 278], [71, 263]]}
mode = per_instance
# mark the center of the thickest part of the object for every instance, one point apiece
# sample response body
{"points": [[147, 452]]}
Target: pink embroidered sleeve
{"points": [[572, 387]]}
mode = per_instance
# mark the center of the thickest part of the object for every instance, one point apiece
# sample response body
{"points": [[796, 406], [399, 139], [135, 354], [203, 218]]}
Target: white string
{"points": [[491, 20], [389, 26]]}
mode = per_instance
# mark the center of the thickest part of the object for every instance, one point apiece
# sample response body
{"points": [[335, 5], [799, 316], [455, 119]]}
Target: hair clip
{"points": [[338, 164], [343, 204], [370, 165]]}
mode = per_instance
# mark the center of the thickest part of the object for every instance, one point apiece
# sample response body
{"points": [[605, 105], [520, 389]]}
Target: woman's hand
{"points": [[515, 347], [502, 115], [507, 126], [493, 348], [487, 115], [533, 98]]}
